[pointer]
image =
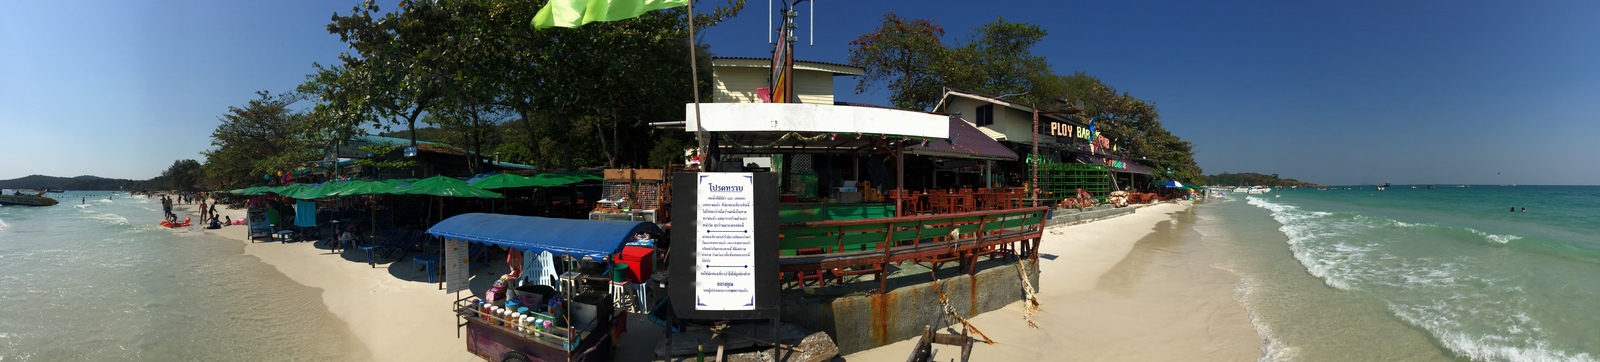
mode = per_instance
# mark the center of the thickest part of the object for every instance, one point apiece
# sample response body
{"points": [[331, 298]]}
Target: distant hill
{"points": [[1253, 179], [63, 183]]}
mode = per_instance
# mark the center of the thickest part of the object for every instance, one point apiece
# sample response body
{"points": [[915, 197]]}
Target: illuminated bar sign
{"points": [[1059, 129]]}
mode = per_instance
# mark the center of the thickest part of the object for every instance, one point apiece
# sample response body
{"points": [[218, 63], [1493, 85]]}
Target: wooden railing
{"points": [[854, 247]]}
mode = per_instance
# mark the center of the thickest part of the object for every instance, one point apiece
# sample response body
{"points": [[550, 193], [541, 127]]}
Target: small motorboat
{"points": [[170, 224], [33, 198]]}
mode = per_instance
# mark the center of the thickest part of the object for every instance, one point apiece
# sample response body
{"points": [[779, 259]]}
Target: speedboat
{"points": [[31, 198]]}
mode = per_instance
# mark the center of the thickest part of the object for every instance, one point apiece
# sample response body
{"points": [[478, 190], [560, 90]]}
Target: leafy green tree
{"points": [[385, 160], [183, 175], [397, 57], [998, 59], [465, 60], [898, 54], [263, 137]]}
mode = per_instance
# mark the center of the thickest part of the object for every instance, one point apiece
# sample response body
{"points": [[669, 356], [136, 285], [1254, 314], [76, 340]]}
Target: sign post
{"points": [[724, 242], [725, 258]]}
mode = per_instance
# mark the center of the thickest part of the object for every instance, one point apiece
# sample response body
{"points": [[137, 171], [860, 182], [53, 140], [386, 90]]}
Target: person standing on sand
{"points": [[203, 213]]}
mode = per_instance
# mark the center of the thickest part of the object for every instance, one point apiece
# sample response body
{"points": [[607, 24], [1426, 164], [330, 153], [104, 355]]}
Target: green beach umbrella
{"points": [[356, 188], [319, 191], [562, 179], [503, 181], [292, 190], [446, 187]]}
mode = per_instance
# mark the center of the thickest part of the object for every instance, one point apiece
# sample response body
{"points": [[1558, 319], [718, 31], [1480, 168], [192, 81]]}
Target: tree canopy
{"points": [[488, 81], [263, 137], [912, 62]]}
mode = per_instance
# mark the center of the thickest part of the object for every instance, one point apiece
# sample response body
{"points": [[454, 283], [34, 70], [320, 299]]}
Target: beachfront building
{"points": [[1071, 154], [874, 200], [432, 158], [745, 80]]}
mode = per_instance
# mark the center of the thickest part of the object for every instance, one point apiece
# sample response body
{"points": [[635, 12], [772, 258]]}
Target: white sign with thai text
{"points": [[725, 242], [455, 266]]}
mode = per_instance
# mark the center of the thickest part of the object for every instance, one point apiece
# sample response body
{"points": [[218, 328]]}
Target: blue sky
{"points": [[1333, 92]]}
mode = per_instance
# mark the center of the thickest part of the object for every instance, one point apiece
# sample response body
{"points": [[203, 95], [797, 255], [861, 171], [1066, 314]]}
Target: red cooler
{"points": [[641, 262]]}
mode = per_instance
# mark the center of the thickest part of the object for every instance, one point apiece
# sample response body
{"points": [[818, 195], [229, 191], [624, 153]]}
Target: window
{"points": [[985, 115]]}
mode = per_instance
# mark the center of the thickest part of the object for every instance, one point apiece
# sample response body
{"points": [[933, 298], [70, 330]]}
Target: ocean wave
{"points": [[1503, 239], [1515, 336], [1335, 263], [3, 225], [1274, 348], [109, 218], [1476, 315]]}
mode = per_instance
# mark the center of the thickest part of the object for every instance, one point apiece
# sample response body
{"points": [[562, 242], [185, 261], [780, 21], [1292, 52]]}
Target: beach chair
{"points": [[395, 237]]}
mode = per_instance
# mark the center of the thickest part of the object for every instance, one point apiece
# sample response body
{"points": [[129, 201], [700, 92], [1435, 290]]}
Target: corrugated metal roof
{"points": [[965, 141]]}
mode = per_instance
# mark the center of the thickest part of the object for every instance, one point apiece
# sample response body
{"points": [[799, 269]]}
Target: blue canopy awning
{"points": [[578, 238]]}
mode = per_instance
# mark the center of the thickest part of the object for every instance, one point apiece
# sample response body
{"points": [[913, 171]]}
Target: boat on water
{"points": [[27, 198], [170, 224]]}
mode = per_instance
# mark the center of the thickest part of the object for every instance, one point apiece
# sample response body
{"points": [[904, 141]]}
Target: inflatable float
{"points": [[170, 224]]}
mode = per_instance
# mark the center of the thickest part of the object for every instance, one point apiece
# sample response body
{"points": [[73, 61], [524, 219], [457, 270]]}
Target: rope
{"points": [[945, 301], [1031, 304]]}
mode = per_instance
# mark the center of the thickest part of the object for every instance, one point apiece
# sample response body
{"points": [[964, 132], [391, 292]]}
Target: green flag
{"points": [[572, 13]]}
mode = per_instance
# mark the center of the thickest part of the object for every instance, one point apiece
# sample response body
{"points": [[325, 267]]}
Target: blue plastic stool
{"points": [[427, 261], [284, 235], [369, 248]]}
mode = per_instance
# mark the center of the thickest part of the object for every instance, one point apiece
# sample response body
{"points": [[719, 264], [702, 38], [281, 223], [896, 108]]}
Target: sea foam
{"points": [[1476, 315]]}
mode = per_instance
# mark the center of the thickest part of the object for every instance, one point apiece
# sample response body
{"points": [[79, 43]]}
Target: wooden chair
{"points": [[963, 201], [938, 201]]}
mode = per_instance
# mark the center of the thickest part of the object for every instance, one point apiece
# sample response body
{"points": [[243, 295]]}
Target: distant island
{"points": [[40, 182], [1254, 179]]}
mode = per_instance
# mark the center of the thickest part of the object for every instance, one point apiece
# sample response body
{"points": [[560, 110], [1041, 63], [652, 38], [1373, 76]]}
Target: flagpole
{"points": [[694, 73]]}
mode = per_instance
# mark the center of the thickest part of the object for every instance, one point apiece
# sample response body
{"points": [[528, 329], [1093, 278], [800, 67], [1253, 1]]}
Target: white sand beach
{"points": [[1120, 289], [1115, 289]]}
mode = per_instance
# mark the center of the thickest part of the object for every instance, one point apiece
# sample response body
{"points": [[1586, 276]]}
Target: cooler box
{"points": [[641, 262]]}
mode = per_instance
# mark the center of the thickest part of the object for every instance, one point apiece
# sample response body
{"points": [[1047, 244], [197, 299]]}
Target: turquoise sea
{"points": [[95, 278], [1415, 274]]}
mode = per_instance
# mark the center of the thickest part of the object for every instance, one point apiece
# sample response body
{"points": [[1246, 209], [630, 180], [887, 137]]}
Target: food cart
{"points": [[575, 321]]}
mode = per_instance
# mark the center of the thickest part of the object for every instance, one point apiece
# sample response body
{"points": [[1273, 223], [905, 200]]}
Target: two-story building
{"points": [[1064, 144]]}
